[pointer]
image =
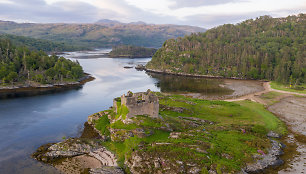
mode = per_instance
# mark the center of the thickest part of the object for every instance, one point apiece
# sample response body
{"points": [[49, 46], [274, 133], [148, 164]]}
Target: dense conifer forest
{"points": [[40, 44], [129, 51], [19, 64], [264, 48]]}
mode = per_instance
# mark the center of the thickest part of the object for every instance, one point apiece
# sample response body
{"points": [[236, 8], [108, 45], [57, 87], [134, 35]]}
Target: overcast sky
{"points": [[203, 13]]}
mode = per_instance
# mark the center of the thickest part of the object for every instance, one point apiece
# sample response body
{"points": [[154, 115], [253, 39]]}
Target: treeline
{"points": [[128, 51], [40, 44], [265, 48], [19, 64]]}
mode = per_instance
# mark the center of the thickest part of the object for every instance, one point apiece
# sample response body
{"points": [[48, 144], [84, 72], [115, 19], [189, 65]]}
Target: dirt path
{"points": [[267, 88]]}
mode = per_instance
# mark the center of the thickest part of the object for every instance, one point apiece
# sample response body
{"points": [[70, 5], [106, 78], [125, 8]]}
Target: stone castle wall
{"points": [[145, 103], [144, 108]]}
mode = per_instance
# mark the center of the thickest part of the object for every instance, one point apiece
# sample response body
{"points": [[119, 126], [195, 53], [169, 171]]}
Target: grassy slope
{"points": [[226, 136], [283, 87]]}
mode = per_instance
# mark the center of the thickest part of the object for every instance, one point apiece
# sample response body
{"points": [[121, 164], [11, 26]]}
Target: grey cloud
{"points": [[80, 12], [39, 11], [209, 21], [76, 12], [197, 3]]}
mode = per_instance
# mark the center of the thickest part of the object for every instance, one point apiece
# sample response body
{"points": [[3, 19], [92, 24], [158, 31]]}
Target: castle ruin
{"points": [[143, 103]]}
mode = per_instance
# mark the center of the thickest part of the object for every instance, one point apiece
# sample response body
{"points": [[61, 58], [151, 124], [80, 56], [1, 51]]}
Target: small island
{"points": [[21, 68], [128, 51]]}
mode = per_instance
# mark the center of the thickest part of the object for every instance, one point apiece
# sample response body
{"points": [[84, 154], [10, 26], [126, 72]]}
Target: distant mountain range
{"points": [[114, 22], [104, 33]]}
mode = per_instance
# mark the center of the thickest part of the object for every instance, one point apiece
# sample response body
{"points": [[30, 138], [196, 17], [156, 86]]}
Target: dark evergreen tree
{"points": [[265, 48]]}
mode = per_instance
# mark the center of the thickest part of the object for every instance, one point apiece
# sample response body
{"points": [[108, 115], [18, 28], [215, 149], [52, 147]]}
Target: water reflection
{"points": [[181, 84]]}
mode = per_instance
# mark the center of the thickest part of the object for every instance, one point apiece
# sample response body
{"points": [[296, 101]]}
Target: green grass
{"points": [[282, 87], [269, 121], [102, 124], [122, 110], [225, 113], [238, 133], [120, 125]]}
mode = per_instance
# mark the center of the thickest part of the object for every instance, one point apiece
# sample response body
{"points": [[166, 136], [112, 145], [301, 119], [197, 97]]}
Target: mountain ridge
{"points": [[98, 35]]}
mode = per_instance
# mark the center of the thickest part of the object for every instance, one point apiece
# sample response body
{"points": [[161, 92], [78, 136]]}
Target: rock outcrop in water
{"points": [[72, 148], [266, 160]]}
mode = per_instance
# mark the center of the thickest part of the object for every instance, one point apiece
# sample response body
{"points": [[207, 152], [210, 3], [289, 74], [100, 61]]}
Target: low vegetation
{"points": [[215, 135], [300, 88]]}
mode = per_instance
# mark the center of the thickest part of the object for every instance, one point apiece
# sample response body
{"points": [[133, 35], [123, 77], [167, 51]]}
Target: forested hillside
{"points": [[19, 64], [265, 48], [129, 51], [99, 35], [39, 44]]}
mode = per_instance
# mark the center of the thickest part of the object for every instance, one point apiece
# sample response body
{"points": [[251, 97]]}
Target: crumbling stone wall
{"points": [[143, 103]]}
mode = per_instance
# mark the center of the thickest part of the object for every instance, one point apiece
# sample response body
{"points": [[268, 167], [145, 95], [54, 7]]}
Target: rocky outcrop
{"points": [[106, 170], [106, 157], [119, 135], [76, 147], [140, 163], [272, 134], [266, 160]]}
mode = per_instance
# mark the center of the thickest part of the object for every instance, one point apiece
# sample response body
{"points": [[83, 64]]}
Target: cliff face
{"points": [[265, 48]]}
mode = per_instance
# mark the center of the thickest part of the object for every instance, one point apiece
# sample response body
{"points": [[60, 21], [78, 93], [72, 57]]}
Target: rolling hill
{"points": [[99, 34], [264, 48]]}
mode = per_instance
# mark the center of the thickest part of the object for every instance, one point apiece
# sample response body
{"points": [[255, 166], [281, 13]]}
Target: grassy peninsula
{"points": [[20, 66], [191, 134], [264, 48], [129, 51]]}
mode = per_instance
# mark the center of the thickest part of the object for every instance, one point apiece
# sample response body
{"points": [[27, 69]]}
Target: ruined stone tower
{"points": [[143, 103]]}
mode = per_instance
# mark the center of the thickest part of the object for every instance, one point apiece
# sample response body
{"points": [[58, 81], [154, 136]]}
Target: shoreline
{"points": [[193, 75], [46, 87]]}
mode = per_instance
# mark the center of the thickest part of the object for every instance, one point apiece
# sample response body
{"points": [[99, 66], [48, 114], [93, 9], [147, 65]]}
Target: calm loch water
{"points": [[28, 122]]}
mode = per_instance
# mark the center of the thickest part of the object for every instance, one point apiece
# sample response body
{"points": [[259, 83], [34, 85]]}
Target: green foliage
{"points": [[270, 122], [19, 64], [103, 124], [265, 48], [128, 51], [122, 110], [39, 44], [120, 125]]}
